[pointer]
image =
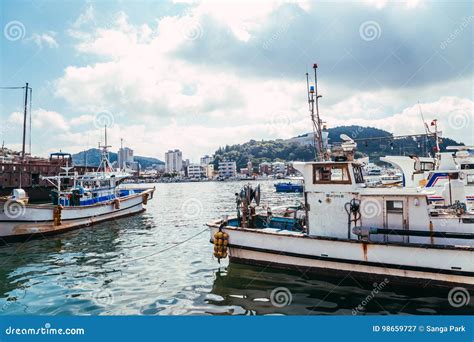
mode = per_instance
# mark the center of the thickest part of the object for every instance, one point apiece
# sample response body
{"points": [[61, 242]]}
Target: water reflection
{"points": [[251, 287]]}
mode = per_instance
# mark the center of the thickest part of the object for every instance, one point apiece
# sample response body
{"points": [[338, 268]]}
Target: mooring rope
{"points": [[170, 247]]}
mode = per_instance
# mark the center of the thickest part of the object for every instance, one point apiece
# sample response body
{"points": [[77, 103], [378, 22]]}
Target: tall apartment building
{"points": [[124, 157], [227, 169], [173, 161]]}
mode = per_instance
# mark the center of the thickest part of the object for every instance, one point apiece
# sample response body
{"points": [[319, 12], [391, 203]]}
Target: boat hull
{"points": [[420, 265], [37, 220]]}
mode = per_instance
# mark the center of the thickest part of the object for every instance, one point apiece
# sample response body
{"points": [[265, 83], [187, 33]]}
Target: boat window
{"points": [[358, 174], [395, 206], [427, 166], [470, 179], [336, 174], [467, 166]]}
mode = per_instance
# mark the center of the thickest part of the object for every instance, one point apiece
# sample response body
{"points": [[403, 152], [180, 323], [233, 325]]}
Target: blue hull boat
{"points": [[288, 187]]}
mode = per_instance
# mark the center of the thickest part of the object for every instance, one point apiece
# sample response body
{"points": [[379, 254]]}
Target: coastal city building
{"points": [[308, 138], [195, 171], [173, 161], [209, 171], [265, 168], [206, 160], [278, 168], [124, 157], [227, 169]]}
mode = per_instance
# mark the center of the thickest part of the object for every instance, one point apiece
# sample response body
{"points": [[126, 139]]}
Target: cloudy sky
{"points": [[199, 75]]}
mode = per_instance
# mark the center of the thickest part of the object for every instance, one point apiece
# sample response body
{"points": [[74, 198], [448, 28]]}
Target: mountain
{"points": [[93, 156], [291, 150]]}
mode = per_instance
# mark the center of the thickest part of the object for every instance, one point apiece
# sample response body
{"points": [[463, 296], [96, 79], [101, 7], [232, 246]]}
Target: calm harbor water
{"points": [[137, 266]]}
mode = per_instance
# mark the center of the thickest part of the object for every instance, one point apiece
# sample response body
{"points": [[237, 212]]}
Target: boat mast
{"points": [[25, 109], [105, 154], [313, 98]]}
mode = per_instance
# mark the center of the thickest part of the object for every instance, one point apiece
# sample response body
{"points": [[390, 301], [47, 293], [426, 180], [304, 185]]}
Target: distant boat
{"points": [[295, 185], [288, 187]]}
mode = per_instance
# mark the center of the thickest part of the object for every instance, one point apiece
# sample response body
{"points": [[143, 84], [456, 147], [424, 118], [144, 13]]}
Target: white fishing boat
{"points": [[77, 201], [450, 175], [349, 229]]}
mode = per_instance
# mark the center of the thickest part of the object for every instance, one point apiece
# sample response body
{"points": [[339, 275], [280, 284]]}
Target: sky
{"points": [[198, 75]]}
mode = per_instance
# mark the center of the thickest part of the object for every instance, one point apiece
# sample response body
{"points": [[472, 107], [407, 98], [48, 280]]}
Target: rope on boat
{"points": [[168, 248]]}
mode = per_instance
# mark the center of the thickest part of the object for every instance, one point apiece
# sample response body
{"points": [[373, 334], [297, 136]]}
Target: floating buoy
{"points": [[221, 241]]}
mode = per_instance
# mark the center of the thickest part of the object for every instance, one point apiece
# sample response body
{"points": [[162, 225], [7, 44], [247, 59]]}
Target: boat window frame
{"points": [[392, 208], [343, 167], [358, 174]]}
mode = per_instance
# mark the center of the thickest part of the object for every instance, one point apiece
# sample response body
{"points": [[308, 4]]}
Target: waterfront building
{"points": [[206, 160], [173, 161], [195, 171], [227, 169]]}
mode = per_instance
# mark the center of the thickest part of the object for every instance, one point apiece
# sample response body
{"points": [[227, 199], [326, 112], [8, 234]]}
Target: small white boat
{"points": [[77, 201]]}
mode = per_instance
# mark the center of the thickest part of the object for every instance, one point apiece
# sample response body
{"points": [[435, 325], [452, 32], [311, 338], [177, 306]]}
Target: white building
{"points": [[195, 171], [227, 169], [173, 161], [124, 157], [206, 160], [278, 167], [308, 138]]}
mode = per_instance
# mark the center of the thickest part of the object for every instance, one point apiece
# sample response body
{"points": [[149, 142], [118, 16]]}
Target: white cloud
{"points": [[45, 39], [160, 101], [85, 17]]}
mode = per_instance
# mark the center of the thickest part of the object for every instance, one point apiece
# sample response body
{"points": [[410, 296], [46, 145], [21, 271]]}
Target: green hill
{"points": [[286, 150]]}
